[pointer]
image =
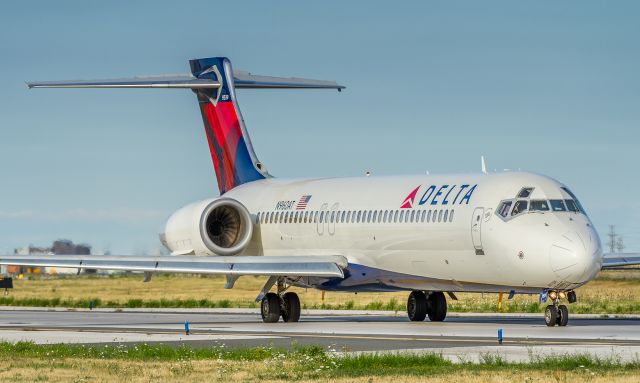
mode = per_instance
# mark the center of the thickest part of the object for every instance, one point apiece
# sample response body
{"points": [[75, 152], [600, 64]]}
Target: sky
{"points": [[546, 86]]}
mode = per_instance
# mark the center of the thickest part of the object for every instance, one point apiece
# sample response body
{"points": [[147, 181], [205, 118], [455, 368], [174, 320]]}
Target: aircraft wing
{"points": [[616, 260], [292, 266]]}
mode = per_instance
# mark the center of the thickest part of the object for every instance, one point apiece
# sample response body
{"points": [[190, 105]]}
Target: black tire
{"points": [[551, 316], [563, 316], [437, 306], [270, 308], [417, 306], [290, 309]]}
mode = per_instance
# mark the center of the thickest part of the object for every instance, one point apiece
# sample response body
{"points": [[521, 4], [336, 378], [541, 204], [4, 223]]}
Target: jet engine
{"points": [[221, 226]]}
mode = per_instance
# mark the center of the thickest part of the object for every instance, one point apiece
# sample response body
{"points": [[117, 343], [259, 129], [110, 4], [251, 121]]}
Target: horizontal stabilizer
{"points": [[298, 266], [612, 260], [241, 79], [176, 81]]}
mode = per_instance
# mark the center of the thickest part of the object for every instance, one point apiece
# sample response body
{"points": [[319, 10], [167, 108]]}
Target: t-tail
{"points": [[214, 83]]}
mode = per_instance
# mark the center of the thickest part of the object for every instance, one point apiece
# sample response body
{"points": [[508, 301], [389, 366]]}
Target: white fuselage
{"points": [[448, 237]]}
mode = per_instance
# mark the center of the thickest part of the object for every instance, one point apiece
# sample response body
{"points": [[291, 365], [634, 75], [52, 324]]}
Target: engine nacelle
{"points": [[221, 226]]}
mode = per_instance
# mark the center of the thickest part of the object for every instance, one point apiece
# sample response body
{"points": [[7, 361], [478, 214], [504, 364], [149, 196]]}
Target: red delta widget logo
{"points": [[440, 195]]}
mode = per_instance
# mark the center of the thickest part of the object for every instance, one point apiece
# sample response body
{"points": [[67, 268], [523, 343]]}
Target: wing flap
{"points": [[302, 266]]}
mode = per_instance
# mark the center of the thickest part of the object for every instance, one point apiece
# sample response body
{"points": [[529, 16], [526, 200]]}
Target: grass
{"points": [[30, 362], [613, 292]]}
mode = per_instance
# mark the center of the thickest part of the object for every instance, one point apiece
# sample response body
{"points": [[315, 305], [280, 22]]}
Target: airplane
{"points": [[433, 236]]}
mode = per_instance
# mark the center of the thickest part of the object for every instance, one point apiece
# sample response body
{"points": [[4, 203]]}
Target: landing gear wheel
{"points": [[290, 309], [270, 308], [551, 315], [563, 316], [417, 306], [437, 306]]}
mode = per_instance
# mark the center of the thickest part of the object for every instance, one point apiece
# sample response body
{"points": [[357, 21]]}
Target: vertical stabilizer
{"points": [[233, 157]]}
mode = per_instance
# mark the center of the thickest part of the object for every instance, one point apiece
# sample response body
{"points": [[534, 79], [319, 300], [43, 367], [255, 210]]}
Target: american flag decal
{"points": [[302, 204]]}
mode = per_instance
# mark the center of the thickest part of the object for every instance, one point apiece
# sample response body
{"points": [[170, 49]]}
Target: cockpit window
{"points": [[539, 205], [525, 192], [575, 199], [504, 208], [520, 207], [571, 205], [557, 205]]}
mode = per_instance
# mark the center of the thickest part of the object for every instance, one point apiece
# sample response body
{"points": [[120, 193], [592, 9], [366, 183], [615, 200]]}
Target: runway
{"points": [[460, 337]]}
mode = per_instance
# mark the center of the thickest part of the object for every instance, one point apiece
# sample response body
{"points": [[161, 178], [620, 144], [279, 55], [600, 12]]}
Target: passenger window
{"points": [[525, 193], [557, 205], [451, 216], [571, 205], [333, 216], [413, 216], [446, 216], [504, 208], [429, 216], [359, 216], [539, 205], [369, 216], [440, 216], [386, 215], [401, 216], [353, 216], [520, 207], [395, 216], [375, 216], [321, 217]]}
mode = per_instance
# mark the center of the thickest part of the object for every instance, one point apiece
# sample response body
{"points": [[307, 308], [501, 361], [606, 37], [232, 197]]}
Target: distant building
{"points": [[61, 246]]}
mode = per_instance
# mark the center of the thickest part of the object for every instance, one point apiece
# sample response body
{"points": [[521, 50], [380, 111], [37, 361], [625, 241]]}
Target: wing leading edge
{"points": [[298, 266]]}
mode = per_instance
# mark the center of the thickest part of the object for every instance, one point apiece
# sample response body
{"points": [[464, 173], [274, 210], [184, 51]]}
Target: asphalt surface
{"points": [[460, 336]]}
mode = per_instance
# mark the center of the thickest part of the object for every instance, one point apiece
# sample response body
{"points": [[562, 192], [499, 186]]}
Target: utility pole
{"points": [[612, 238], [620, 244]]}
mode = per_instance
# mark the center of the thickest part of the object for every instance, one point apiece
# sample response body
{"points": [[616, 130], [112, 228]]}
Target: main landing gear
{"points": [[432, 304], [557, 314], [282, 304]]}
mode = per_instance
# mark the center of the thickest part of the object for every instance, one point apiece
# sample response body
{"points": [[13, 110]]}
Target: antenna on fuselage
{"points": [[484, 166]]}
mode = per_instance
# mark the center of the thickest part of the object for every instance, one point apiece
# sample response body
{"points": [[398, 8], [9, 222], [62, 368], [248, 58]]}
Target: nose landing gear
{"points": [[421, 305]]}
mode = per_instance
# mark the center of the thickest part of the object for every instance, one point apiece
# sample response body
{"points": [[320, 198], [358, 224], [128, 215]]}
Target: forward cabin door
{"points": [[476, 230]]}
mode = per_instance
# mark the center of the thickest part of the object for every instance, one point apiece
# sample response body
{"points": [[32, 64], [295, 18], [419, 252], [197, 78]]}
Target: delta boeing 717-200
{"points": [[429, 235]]}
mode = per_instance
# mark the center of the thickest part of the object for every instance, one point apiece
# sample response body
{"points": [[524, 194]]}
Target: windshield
{"points": [[578, 204], [510, 208], [539, 205], [520, 207], [558, 205]]}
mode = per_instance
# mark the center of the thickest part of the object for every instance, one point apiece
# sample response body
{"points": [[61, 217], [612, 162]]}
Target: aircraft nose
{"points": [[573, 255]]}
